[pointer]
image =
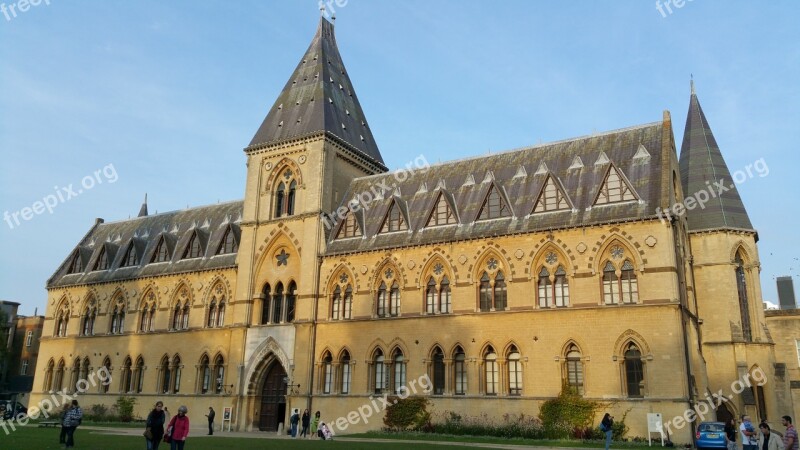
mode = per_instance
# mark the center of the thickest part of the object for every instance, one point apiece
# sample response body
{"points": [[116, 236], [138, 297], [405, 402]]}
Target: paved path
{"points": [[263, 435]]}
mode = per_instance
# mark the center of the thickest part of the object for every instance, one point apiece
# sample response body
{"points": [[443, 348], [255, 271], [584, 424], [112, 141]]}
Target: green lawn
{"points": [[47, 439]]}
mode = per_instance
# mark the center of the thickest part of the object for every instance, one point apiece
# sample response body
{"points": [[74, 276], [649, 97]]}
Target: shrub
{"points": [[124, 407], [509, 425], [409, 413], [568, 414], [98, 413]]}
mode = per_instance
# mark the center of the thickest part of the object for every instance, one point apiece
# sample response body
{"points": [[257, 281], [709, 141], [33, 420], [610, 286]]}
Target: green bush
{"points": [[409, 413], [124, 407], [505, 426], [567, 415], [98, 413]]}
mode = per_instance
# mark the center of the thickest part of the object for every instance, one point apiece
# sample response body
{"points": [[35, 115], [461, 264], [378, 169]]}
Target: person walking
{"points": [[314, 425], [72, 419], [749, 434], [294, 420], [62, 438], [210, 416], [607, 426], [155, 426], [178, 429], [730, 434], [767, 440], [790, 437], [305, 421]]}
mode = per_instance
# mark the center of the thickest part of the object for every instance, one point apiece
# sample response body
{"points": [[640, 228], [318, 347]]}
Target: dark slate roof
{"points": [[701, 165], [519, 175], [319, 98], [176, 227]]}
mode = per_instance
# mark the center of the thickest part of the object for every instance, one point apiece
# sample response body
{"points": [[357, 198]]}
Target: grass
{"points": [[410, 436], [47, 439]]}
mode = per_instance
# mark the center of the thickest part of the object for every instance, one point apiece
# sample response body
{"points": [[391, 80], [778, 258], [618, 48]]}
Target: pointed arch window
{"points": [[89, 317], [614, 188], [193, 249], [394, 220], [430, 296], [177, 369], [399, 372], [611, 285], [228, 243], [62, 320], [277, 304], [102, 260], [148, 315], [162, 252], [492, 292], [514, 372], [744, 305], [493, 205], [551, 198], [48, 377], [445, 304], [180, 316], [381, 300], [285, 194], [139, 375], [460, 369], [350, 227], [441, 213], [336, 303], [265, 304], [166, 375], [485, 293], [219, 374], [205, 373], [347, 313], [127, 376], [290, 198], [438, 372], [212, 314], [491, 372], [545, 289], [574, 369], [344, 388], [105, 385], [221, 312], [76, 265], [131, 258], [634, 371], [553, 290], [58, 381], [394, 300], [327, 373], [379, 375], [118, 319], [280, 195], [291, 300], [629, 284]]}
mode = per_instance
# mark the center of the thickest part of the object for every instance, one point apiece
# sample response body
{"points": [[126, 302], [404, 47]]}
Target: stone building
{"points": [[502, 278]]}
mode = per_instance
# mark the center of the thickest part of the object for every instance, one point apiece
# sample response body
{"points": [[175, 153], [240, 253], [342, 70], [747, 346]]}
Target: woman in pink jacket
{"points": [[178, 429]]}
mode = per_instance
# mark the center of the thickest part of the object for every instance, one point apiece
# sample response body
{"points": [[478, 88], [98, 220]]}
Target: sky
{"points": [[128, 98]]}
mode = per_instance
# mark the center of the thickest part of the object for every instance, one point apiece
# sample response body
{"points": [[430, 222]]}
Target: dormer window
{"points": [[131, 258], [614, 189], [76, 265], [493, 205], [228, 243], [162, 253], [441, 214], [349, 228], [193, 250], [394, 220], [102, 260]]}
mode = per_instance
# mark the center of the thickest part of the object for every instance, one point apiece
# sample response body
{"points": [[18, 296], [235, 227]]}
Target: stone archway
{"points": [[271, 404]]}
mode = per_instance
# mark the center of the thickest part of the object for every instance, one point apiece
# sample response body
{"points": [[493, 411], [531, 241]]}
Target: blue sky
{"points": [[169, 93]]}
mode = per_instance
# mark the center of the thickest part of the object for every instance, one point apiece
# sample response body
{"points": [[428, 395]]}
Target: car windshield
{"points": [[712, 427]]}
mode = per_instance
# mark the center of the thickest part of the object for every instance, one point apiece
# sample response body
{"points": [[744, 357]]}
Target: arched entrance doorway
{"points": [[273, 398]]}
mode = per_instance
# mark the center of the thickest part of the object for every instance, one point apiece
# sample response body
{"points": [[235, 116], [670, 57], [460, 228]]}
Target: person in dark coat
{"points": [[305, 421], [210, 416], [607, 425], [155, 424]]}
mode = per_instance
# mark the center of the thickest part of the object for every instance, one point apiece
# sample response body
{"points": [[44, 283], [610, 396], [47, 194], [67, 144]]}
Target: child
{"points": [[325, 432]]}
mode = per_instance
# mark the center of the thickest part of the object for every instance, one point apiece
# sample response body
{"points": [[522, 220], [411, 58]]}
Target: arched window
{"points": [[336, 303], [219, 374], [491, 372], [379, 375], [399, 372], [89, 316], [147, 314], [166, 375], [221, 312], [545, 289], [139, 375], [177, 317], [514, 372], [327, 371], [212, 314], [553, 290], [290, 198], [381, 301], [438, 371], [561, 287], [630, 286], [193, 249], [348, 303], [430, 296], [634, 371], [107, 364], [58, 381], [62, 320], [492, 293], [48, 377], [394, 300], [622, 289], [127, 376], [610, 284], [265, 304], [228, 243], [445, 304], [277, 304], [205, 375], [460, 369], [291, 299], [744, 306], [574, 369], [280, 194], [346, 373], [177, 368], [485, 293], [118, 319]]}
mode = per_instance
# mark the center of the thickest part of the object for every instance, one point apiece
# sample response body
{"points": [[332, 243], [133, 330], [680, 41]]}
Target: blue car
{"points": [[710, 435]]}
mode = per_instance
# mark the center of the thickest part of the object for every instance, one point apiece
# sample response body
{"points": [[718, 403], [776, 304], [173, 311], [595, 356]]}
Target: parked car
{"points": [[710, 435]]}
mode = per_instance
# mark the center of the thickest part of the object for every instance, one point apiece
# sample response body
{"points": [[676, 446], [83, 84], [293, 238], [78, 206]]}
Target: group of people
{"points": [[306, 423], [71, 418], [176, 430], [762, 439]]}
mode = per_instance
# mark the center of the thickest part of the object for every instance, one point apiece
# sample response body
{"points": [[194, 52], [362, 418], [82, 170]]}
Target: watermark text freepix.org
{"points": [[48, 406], [61, 195], [10, 11]]}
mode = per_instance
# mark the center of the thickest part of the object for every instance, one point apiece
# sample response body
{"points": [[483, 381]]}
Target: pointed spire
{"points": [[702, 167], [319, 98], [143, 209]]}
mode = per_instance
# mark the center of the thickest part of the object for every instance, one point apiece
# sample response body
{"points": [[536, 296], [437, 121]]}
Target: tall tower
{"points": [[314, 140], [725, 266]]}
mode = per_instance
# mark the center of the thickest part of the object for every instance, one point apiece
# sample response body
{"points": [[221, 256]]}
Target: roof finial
{"points": [[143, 209], [691, 82], [322, 9]]}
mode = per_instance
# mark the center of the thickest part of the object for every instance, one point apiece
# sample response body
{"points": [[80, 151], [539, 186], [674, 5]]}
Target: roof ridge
{"points": [[113, 222]]}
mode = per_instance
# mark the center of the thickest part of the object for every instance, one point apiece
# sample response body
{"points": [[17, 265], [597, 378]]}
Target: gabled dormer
{"points": [[76, 264], [102, 261], [615, 188], [551, 197], [495, 204], [162, 252], [349, 226], [194, 248], [131, 257], [442, 212], [229, 242], [395, 218]]}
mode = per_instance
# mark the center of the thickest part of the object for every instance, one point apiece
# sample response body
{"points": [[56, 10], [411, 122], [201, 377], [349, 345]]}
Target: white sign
{"points": [[226, 417], [654, 425]]}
